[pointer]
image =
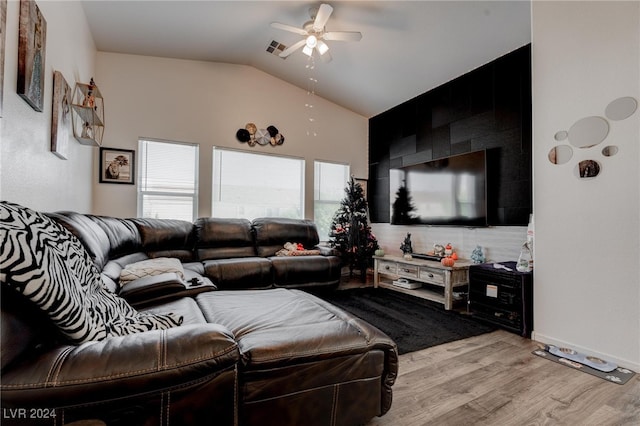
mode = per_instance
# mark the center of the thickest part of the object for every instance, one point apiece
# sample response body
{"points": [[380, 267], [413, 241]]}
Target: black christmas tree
{"points": [[402, 207], [350, 231]]}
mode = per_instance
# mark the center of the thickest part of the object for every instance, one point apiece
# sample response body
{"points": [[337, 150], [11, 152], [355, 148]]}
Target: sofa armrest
{"points": [[120, 367], [156, 288]]}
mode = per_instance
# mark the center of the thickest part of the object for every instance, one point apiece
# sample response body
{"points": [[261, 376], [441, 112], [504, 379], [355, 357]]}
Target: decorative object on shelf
{"points": [[117, 165], [448, 250], [89, 99], [525, 260], [60, 116], [379, 253], [252, 135], [88, 113], [87, 131], [350, 231], [31, 54], [448, 261], [438, 250], [3, 32], [406, 247], [477, 256], [589, 132]]}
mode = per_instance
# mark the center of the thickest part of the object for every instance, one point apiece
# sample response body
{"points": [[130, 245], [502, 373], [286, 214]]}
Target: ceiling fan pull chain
{"points": [[311, 92]]}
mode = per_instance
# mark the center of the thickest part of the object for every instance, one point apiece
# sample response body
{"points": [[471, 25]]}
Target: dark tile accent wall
{"points": [[487, 108]]}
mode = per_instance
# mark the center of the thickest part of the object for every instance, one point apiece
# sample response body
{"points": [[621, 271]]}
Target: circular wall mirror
{"points": [[609, 151], [587, 169], [560, 154], [588, 132], [561, 135], [621, 108]]}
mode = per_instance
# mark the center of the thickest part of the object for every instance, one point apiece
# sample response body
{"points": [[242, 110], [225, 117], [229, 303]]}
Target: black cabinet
{"points": [[502, 297], [489, 108]]}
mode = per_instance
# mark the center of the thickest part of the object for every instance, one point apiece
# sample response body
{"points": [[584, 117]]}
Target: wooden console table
{"points": [[440, 280]]}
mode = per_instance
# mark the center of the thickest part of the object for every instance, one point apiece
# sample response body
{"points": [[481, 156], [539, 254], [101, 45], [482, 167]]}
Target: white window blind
{"points": [[249, 185], [330, 180], [168, 180]]}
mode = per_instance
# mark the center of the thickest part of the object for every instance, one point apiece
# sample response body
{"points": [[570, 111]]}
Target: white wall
{"points": [[587, 246], [29, 173], [206, 103], [499, 243]]}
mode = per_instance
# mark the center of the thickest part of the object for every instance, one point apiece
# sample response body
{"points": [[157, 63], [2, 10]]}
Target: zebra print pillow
{"points": [[46, 263]]}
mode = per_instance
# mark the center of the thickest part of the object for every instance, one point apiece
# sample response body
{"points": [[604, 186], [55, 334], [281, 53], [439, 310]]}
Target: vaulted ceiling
{"points": [[407, 48]]}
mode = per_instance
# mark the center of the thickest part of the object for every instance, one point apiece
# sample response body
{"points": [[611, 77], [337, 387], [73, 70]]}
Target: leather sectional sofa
{"points": [[252, 349]]}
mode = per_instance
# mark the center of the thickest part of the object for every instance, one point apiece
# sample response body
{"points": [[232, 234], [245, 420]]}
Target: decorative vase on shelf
{"points": [[525, 261], [477, 256]]}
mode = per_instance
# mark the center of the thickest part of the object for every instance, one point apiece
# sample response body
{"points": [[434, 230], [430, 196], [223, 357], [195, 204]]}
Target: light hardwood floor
{"points": [[494, 379]]}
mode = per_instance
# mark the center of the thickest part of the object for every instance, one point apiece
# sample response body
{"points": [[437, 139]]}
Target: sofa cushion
{"points": [[220, 238], [90, 234], [123, 235], [239, 274], [167, 238], [305, 271], [279, 326], [42, 260], [151, 267], [272, 234]]}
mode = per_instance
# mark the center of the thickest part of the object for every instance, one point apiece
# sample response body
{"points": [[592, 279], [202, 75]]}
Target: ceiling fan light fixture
{"points": [[307, 50], [312, 41], [314, 34], [322, 47]]}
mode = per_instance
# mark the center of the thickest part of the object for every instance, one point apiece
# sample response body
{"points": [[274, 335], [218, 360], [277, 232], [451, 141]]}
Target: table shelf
{"points": [[438, 281]]}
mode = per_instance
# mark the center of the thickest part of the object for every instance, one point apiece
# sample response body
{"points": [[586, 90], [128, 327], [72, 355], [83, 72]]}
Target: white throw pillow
{"points": [[150, 267]]}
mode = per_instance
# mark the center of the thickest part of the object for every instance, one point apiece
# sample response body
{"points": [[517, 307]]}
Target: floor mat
{"points": [[619, 375]]}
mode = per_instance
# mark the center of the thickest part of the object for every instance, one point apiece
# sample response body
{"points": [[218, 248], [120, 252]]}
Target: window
{"points": [[168, 185], [248, 185], [330, 180]]}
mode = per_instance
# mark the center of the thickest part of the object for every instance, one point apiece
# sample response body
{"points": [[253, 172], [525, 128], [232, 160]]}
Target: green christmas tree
{"points": [[350, 231]]}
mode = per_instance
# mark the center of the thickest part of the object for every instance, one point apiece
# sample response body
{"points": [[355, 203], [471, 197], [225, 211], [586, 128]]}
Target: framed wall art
{"points": [[60, 116], [32, 36], [3, 32], [363, 184], [117, 165]]}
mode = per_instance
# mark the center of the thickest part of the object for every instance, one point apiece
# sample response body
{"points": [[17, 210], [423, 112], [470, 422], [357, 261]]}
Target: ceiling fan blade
{"points": [[343, 36], [289, 50], [326, 58], [289, 28], [324, 12]]}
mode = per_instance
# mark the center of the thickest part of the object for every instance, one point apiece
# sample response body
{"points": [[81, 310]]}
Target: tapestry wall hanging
{"points": [[3, 32], [31, 54], [60, 116]]}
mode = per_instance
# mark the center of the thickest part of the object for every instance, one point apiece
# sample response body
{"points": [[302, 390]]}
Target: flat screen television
{"points": [[449, 191]]}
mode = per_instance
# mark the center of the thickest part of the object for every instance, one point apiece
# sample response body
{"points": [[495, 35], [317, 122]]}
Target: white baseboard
{"points": [[547, 340]]}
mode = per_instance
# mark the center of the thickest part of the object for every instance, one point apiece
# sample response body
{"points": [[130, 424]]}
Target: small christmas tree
{"points": [[350, 231]]}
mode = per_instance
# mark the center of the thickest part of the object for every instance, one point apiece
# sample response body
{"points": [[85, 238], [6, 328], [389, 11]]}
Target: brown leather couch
{"points": [[270, 354]]}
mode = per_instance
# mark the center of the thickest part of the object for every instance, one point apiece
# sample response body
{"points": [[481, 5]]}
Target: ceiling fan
{"points": [[315, 34]]}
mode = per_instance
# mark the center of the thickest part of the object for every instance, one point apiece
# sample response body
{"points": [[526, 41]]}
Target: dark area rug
{"points": [[413, 323]]}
